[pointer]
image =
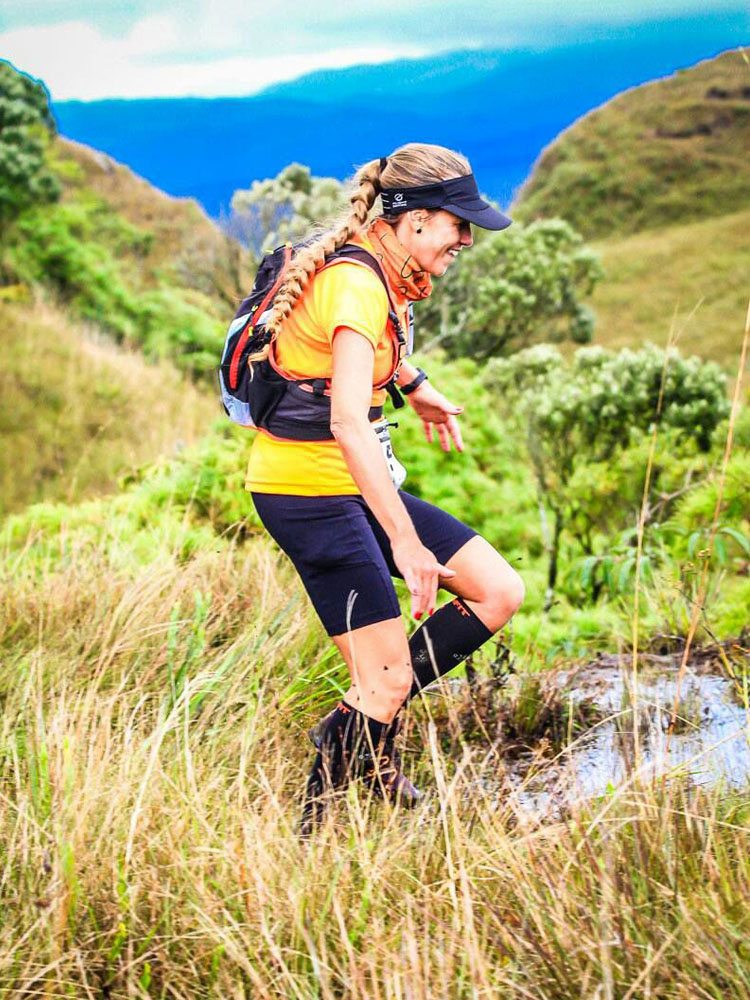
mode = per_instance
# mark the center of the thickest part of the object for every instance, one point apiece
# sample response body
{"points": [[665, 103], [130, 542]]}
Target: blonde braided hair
{"points": [[411, 165]]}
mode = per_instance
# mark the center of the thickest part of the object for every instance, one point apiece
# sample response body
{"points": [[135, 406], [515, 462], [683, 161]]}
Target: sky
{"points": [[90, 49]]}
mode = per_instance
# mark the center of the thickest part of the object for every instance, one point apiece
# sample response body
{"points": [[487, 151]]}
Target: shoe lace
{"points": [[386, 766]]}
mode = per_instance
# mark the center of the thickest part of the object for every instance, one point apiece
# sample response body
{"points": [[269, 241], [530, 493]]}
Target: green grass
{"points": [[161, 664], [152, 751], [694, 276], [78, 413], [670, 151]]}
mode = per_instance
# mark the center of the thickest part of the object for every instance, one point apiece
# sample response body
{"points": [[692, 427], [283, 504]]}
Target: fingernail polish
{"points": [[418, 615], [432, 611]]}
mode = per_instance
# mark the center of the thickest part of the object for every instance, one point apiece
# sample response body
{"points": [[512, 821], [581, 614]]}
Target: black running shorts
{"points": [[343, 555]]}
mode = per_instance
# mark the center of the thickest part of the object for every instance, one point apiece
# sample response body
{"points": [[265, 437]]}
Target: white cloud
{"points": [[235, 47], [77, 60], [153, 35]]}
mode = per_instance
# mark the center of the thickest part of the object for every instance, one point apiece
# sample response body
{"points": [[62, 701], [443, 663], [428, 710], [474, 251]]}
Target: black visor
{"points": [[459, 195]]}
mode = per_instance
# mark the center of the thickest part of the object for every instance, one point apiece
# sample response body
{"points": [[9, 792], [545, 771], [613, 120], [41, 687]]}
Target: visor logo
{"points": [[398, 198]]}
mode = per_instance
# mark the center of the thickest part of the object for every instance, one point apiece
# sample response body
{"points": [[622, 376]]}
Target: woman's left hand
{"points": [[435, 410]]}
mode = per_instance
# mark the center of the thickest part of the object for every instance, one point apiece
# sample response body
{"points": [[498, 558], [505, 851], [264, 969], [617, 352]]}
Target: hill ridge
{"points": [[651, 156]]}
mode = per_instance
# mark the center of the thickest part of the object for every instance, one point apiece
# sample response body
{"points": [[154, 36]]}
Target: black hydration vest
{"points": [[261, 395]]}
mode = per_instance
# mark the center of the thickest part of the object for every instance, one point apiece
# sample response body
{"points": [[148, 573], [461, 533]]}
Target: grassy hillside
{"points": [[696, 275], [114, 271], [184, 246], [660, 178], [78, 412], [674, 150], [150, 270], [111, 267]]}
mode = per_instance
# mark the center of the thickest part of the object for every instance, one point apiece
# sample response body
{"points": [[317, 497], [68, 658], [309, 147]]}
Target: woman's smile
{"points": [[441, 240]]}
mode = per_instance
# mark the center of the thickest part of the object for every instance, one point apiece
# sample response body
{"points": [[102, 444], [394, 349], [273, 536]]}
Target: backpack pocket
{"points": [[301, 414]]}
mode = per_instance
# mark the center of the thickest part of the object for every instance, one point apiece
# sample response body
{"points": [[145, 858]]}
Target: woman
{"points": [[334, 507]]}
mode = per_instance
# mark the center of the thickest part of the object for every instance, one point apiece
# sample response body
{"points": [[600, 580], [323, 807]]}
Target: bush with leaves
{"points": [[285, 207], [177, 323], [589, 410], [26, 126], [515, 288], [79, 250], [61, 248]]}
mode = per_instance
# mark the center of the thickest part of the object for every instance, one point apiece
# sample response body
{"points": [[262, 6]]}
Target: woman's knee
{"points": [[381, 690], [389, 677], [504, 595], [486, 579], [379, 660], [515, 592], [397, 679]]}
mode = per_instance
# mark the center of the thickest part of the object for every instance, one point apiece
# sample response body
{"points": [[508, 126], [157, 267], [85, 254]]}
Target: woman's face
{"points": [[443, 237]]}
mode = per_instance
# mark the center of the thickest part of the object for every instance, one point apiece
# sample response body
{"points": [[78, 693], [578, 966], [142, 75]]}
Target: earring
{"points": [[419, 229]]}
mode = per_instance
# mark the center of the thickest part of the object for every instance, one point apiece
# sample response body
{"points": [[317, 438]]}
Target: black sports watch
{"points": [[415, 383]]}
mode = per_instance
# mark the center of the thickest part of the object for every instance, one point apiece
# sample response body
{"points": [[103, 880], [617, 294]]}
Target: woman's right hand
{"points": [[420, 570]]}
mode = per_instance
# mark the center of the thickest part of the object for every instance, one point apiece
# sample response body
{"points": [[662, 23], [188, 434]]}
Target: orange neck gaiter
{"points": [[399, 266]]}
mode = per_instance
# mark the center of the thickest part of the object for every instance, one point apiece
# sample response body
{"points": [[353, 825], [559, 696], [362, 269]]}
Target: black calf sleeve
{"points": [[454, 632]]}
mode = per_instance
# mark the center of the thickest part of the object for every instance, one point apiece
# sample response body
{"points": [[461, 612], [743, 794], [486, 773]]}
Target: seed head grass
{"points": [[152, 755]]}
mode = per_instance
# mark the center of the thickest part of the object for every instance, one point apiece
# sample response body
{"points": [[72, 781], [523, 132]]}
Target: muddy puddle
{"points": [[599, 726]]}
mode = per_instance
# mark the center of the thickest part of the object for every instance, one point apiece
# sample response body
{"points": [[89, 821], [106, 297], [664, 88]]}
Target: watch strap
{"points": [[415, 383]]}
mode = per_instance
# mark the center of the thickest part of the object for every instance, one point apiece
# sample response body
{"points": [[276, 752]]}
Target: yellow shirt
{"points": [[345, 294]]}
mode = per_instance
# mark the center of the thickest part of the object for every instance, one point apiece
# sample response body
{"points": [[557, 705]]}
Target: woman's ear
{"points": [[417, 219]]}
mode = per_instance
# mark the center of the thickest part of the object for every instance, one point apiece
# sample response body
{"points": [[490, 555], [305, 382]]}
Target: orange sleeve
{"points": [[350, 295]]}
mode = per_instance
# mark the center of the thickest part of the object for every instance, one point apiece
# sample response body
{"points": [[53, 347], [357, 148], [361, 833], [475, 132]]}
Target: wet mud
{"points": [[552, 740]]}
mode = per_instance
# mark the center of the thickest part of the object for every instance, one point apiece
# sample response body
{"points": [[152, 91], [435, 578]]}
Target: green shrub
{"points": [[585, 413], [26, 126], [177, 323], [61, 248], [82, 251], [513, 289]]}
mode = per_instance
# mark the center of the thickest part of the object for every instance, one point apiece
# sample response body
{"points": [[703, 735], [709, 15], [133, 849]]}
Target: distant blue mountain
{"points": [[500, 108]]}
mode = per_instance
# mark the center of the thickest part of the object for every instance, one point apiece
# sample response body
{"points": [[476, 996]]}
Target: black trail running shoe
{"points": [[381, 771]]}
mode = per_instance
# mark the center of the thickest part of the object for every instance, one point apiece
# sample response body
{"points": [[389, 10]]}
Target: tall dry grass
{"points": [[152, 752]]}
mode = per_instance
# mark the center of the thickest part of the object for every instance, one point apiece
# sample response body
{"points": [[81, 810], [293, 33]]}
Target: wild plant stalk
{"points": [[639, 550], [672, 339], [698, 604]]}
